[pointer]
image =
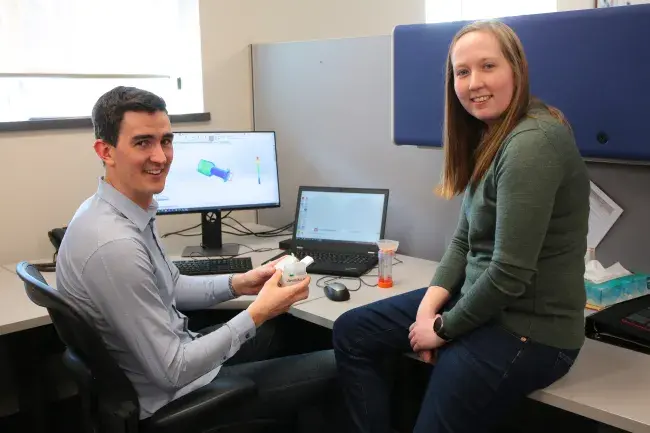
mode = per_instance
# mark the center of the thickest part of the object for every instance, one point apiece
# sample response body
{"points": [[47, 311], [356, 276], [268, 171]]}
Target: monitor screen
{"points": [[221, 171], [340, 216]]}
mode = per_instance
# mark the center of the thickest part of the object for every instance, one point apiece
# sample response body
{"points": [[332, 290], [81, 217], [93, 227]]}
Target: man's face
{"points": [[138, 165]]}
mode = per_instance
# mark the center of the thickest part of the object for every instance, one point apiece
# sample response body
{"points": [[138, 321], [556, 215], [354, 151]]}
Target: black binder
{"points": [[626, 324]]}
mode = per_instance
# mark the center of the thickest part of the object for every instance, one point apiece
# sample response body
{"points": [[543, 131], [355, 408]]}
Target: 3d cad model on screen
{"points": [[208, 168]]}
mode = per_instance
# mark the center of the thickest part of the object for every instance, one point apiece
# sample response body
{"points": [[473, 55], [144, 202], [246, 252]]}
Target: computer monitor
{"points": [[220, 171]]}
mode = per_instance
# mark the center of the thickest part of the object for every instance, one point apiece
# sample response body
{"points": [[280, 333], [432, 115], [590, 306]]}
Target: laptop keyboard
{"points": [[333, 257]]}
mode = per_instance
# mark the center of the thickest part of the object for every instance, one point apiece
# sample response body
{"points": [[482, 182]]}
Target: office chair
{"points": [[108, 399]]}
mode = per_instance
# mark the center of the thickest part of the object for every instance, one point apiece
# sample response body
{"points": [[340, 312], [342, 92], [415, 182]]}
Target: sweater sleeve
{"points": [[451, 268], [527, 176]]}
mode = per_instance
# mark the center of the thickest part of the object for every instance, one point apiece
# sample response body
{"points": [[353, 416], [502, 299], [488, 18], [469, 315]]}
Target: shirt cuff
{"points": [[243, 329], [443, 278]]}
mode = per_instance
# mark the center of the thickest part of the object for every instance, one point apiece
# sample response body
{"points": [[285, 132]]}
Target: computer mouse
{"points": [[337, 292]]}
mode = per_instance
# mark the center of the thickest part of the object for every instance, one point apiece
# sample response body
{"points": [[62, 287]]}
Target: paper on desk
{"points": [[603, 213]]}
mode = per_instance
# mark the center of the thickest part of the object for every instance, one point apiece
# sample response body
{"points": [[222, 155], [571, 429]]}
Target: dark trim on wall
{"points": [[85, 122]]}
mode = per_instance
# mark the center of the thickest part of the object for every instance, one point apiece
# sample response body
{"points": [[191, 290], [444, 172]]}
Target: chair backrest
{"points": [[111, 394]]}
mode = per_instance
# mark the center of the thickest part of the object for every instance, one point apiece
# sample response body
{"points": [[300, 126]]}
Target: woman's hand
{"points": [[434, 299], [422, 336], [425, 313]]}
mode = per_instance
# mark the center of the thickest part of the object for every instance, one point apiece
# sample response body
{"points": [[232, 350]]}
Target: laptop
{"points": [[339, 228]]}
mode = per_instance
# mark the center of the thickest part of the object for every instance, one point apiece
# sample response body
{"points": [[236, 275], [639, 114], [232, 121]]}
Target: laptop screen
{"points": [[340, 216]]}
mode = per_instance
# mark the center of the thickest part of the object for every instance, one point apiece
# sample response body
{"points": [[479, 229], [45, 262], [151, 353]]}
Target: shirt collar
{"points": [[126, 206]]}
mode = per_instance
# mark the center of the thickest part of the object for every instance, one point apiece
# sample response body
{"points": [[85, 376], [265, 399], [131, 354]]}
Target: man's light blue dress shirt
{"points": [[112, 267]]}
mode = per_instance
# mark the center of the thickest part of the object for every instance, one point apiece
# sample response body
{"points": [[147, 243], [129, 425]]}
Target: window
{"points": [[59, 56], [460, 10]]}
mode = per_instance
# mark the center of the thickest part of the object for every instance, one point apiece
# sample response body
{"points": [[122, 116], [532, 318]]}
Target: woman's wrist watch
{"points": [[439, 329]]}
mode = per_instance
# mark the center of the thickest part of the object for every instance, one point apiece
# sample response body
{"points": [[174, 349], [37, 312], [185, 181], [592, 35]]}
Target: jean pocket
{"points": [[520, 338], [563, 363]]}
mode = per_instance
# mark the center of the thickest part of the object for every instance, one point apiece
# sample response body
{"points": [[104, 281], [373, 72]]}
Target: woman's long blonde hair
{"points": [[469, 147]]}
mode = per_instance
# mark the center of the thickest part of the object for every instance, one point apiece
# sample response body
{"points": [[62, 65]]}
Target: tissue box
{"points": [[616, 290]]}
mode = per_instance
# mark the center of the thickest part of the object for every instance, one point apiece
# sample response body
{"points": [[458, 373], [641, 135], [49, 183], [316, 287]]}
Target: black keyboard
{"points": [[339, 258], [233, 265]]}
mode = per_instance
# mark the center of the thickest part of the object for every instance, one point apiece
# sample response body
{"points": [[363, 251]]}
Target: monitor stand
{"points": [[211, 239]]}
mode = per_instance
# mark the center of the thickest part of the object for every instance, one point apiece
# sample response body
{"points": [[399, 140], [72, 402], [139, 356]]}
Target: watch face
{"points": [[437, 324]]}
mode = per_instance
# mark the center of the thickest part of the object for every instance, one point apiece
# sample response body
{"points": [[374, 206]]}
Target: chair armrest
{"points": [[203, 405]]}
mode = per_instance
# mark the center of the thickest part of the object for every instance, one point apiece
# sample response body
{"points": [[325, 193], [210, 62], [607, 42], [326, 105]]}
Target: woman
{"points": [[504, 313]]}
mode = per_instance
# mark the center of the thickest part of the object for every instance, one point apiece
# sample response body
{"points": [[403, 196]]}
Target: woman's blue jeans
{"points": [[476, 379]]}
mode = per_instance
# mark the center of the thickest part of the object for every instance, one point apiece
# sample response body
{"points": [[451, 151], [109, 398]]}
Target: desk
{"points": [[18, 313], [411, 274], [607, 383]]}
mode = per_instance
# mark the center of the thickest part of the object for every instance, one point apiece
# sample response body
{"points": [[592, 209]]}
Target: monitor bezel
{"points": [[209, 209]]}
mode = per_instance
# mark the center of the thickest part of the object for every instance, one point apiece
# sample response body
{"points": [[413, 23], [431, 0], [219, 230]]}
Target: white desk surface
{"points": [[608, 384], [411, 274]]}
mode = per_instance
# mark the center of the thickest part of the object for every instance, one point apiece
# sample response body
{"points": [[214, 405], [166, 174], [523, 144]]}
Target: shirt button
{"points": [[225, 357], [248, 336]]}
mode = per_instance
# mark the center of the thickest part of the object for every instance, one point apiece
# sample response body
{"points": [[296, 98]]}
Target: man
{"points": [[112, 266]]}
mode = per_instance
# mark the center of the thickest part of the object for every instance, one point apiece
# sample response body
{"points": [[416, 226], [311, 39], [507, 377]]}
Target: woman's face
{"points": [[483, 78]]}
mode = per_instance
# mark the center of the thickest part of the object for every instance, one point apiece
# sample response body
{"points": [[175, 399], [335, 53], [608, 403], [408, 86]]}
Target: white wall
{"points": [[44, 176], [569, 5]]}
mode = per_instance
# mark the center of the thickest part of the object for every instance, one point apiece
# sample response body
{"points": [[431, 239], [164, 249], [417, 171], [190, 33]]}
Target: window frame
{"points": [[186, 105], [86, 122]]}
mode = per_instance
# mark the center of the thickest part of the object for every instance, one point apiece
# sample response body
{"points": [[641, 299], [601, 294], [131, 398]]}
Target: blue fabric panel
{"points": [[593, 64]]}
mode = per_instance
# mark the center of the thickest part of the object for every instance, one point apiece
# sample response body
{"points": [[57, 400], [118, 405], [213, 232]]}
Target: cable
{"points": [[330, 278], [179, 232], [197, 255], [245, 231]]}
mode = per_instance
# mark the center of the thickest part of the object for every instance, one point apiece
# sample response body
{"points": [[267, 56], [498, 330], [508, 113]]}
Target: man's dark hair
{"points": [[109, 110]]}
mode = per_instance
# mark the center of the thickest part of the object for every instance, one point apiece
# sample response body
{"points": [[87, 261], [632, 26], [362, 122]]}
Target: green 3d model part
{"points": [[207, 168]]}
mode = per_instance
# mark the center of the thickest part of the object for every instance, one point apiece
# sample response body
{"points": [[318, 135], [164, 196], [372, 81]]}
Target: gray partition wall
{"points": [[330, 103]]}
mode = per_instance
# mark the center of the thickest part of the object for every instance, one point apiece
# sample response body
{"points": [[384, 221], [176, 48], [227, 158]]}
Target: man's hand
{"points": [[251, 282], [423, 337], [274, 299]]}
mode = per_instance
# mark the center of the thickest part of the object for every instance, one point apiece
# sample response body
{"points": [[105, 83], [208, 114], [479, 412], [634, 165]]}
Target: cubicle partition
{"points": [[330, 103], [577, 60]]}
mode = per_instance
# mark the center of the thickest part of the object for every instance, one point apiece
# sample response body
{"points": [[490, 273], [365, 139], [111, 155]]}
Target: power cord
{"points": [[244, 231], [197, 256]]}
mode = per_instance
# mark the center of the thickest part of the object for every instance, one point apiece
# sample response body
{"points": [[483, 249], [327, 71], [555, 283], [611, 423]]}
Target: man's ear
{"points": [[105, 152]]}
